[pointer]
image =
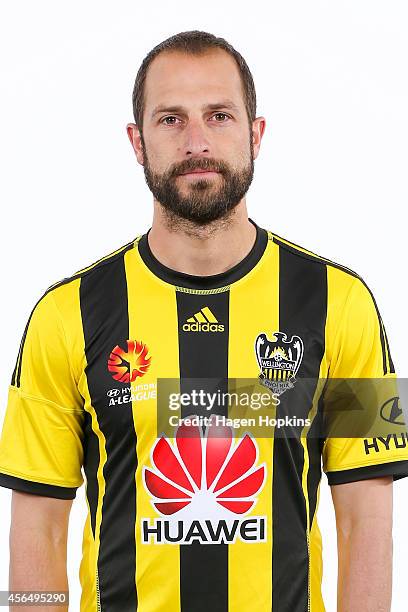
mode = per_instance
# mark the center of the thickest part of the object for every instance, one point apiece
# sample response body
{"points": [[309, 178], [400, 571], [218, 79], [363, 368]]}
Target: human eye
{"points": [[163, 120], [222, 114]]}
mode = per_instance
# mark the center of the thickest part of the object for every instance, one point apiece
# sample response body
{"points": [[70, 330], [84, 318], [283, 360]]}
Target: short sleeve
{"points": [[41, 444], [360, 352]]}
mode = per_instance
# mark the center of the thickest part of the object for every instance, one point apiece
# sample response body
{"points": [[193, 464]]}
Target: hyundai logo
{"points": [[113, 392], [391, 411]]}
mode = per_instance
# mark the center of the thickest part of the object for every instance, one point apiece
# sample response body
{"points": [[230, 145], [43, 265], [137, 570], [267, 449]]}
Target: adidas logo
{"points": [[203, 321]]}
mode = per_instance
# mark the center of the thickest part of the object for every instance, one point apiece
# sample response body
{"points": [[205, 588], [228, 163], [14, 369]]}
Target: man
{"points": [[201, 520]]}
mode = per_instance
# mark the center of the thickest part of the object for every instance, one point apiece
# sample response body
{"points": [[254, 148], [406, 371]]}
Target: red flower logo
{"points": [[125, 366], [207, 474]]}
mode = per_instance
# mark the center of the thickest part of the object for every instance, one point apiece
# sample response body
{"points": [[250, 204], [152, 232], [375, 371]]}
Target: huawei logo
{"points": [[210, 476], [125, 366]]}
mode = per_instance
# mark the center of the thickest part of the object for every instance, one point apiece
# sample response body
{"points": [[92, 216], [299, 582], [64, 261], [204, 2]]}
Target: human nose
{"points": [[196, 140]]}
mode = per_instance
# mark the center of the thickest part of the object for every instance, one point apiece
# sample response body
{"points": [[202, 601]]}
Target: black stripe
{"points": [[391, 368], [37, 488], [203, 567], [302, 312], [106, 259], [355, 275], [91, 464], [104, 309], [384, 358], [14, 375], [315, 449], [382, 331], [396, 469], [16, 378], [296, 248]]}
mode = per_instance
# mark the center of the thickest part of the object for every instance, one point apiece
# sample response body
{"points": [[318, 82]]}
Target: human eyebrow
{"points": [[223, 104], [228, 104]]}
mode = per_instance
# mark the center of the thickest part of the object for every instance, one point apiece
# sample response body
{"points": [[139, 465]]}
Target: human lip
{"points": [[199, 172]]}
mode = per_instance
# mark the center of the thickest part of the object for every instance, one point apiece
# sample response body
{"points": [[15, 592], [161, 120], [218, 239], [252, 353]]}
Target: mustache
{"points": [[198, 164]]}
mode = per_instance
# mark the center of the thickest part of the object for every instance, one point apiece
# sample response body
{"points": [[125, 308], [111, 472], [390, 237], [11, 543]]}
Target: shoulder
{"points": [[344, 285], [305, 254], [64, 293], [96, 265]]}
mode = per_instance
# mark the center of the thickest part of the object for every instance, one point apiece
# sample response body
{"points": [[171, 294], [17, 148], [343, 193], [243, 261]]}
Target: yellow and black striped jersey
{"points": [[193, 522]]}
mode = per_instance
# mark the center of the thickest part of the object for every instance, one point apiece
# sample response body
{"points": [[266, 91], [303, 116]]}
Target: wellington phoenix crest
{"points": [[279, 360]]}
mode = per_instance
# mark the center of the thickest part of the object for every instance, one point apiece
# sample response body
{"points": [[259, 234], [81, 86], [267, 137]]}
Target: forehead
{"points": [[176, 78]]}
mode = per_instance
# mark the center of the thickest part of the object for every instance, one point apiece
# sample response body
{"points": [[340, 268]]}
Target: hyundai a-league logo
{"points": [[126, 365]]}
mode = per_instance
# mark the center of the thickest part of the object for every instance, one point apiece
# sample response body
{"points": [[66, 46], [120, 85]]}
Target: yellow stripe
{"points": [[207, 312], [250, 566], [157, 568], [303, 439], [316, 563]]}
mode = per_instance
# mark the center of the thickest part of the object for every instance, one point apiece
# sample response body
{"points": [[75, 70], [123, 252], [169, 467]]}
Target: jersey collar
{"points": [[212, 281]]}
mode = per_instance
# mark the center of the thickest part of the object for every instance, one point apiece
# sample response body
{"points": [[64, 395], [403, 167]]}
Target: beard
{"points": [[208, 199]]}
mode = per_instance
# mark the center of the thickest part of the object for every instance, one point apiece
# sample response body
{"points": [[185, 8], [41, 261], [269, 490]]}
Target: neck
{"points": [[201, 251]]}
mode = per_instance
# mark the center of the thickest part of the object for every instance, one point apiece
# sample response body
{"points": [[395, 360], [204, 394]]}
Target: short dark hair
{"points": [[193, 42]]}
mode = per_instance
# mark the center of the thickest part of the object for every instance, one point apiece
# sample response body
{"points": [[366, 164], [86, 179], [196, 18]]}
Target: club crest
{"points": [[279, 360]]}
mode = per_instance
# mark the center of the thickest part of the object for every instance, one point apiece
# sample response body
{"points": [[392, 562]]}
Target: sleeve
{"points": [[41, 444], [361, 358]]}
